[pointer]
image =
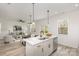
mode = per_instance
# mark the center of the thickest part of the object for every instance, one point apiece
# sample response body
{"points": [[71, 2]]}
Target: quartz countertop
{"points": [[35, 40]]}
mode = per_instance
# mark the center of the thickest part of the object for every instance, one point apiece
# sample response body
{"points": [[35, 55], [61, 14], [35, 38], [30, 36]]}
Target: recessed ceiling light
{"points": [[76, 5]]}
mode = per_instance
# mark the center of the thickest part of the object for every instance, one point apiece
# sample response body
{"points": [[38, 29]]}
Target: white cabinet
{"points": [[48, 47], [34, 50], [55, 43], [38, 50], [29, 50], [42, 49]]}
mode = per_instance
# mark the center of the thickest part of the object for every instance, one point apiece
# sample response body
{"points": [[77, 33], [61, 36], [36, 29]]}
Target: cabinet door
{"points": [[29, 50], [48, 47], [51, 45], [38, 50], [55, 43], [34, 50]]}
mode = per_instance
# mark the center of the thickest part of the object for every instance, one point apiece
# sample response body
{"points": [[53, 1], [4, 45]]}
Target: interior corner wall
{"points": [[72, 38]]}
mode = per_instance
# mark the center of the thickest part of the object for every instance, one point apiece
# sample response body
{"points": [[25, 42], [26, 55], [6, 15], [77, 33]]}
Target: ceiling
{"points": [[23, 10]]}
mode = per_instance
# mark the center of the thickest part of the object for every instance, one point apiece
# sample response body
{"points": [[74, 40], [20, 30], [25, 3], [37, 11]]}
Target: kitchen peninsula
{"points": [[37, 46]]}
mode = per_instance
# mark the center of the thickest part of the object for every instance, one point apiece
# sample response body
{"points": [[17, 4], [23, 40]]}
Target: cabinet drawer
{"points": [[34, 50]]}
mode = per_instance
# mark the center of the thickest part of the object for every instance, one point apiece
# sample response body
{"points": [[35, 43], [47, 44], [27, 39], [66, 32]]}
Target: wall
{"points": [[7, 25], [72, 39]]}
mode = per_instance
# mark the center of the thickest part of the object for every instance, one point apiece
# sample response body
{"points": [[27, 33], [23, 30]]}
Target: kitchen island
{"points": [[37, 46]]}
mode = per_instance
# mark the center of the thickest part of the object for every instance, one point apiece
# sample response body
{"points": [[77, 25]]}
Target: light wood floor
{"points": [[20, 51], [66, 51]]}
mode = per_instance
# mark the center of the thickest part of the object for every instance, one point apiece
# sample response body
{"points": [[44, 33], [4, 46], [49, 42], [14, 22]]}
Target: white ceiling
{"points": [[23, 10]]}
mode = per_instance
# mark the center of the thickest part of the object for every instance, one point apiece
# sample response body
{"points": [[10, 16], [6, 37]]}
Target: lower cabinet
{"points": [[48, 47], [43, 49], [55, 43], [38, 50], [34, 50]]}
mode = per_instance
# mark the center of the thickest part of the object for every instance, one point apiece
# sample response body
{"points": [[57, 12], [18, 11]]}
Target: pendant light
{"points": [[47, 26], [47, 16], [33, 23], [33, 13], [30, 22]]}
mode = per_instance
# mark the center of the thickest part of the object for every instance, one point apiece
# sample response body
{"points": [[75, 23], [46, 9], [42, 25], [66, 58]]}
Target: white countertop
{"points": [[35, 40]]}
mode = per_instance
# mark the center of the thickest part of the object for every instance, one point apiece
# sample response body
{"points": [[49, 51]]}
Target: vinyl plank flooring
{"points": [[66, 51]]}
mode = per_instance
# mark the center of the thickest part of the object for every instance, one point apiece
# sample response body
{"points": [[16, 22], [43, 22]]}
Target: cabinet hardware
{"points": [[49, 45], [42, 50]]}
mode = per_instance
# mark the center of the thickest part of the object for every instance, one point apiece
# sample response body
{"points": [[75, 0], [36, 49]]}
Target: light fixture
{"points": [[20, 20], [9, 3], [33, 11], [48, 16], [30, 16], [32, 21]]}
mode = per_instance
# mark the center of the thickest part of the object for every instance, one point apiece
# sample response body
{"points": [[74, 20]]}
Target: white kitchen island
{"points": [[37, 47]]}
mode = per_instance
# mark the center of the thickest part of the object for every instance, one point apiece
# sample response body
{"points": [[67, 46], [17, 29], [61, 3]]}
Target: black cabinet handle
{"points": [[42, 49], [49, 45]]}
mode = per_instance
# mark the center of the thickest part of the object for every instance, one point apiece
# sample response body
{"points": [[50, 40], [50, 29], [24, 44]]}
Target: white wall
{"points": [[72, 39], [7, 25]]}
